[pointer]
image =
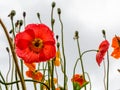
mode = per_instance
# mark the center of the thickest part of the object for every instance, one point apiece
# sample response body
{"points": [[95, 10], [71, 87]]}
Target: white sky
{"points": [[89, 17]]}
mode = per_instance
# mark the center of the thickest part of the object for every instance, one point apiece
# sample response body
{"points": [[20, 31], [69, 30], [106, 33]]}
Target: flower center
{"points": [[36, 45]]}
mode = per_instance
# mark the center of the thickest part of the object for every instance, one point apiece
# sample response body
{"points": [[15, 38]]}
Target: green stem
{"points": [[27, 80], [63, 52], [3, 80], [52, 73], [16, 77], [82, 66], [34, 83], [14, 55], [108, 70], [89, 80], [12, 72], [104, 80]]}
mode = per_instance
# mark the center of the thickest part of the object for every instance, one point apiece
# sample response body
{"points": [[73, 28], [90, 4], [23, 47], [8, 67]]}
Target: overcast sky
{"points": [[89, 17]]}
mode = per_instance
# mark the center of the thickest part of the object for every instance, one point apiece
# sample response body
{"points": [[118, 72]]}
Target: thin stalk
{"points": [[16, 78], [14, 55], [9, 67], [104, 80], [12, 72], [82, 66], [63, 52], [3, 80], [108, 63], [52, 72], [89, 80], [35, 87], [80, 58], [26, 80]]}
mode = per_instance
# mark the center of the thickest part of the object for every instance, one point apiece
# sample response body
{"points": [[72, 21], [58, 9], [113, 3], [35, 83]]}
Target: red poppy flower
{"points": [[32, 72], [103, 47], [77, 78], [116, 46], [35, 44]]}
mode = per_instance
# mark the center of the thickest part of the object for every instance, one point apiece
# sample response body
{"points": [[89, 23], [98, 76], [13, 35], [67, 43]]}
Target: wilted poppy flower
{"points": [[103, 47], [116, 46], [35, 44], [79, 79], [57, 59], [33, 73]]}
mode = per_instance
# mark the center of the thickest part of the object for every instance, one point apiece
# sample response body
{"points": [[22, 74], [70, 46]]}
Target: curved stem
{"points": [[14, 55], [89, 80], [27, 80]]}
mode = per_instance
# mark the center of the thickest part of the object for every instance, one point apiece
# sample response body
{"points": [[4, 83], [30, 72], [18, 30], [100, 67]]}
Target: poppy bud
{"points": [[57, 37], [21, 22], [103, 32], [53, 4], [76, 35], [12, 13], [59, 11], [7, 49], [24, 14], [38, 15]]}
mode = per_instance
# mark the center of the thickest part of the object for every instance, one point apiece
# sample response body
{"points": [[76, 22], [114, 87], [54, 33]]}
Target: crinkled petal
{"points": [[99, 58], [42, 31], [49, 51], [116, 53]]}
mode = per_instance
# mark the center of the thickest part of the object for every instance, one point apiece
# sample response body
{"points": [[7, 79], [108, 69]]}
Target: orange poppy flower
{"points": [[33, 73], [35, 44], [116, 46], [77, 78], [57, 59], [103, 47]]}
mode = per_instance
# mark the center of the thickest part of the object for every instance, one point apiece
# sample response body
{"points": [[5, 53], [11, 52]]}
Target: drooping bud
{"points": [[24, 14], [104, 34], [59, 11], [21, 22], [53, 4], [17, 23], [38, 15], [57, 37], [7, 49], [76, 35], [12, 14]]}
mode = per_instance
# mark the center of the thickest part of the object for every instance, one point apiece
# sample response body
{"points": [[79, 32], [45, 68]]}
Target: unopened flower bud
{"points": [[59, 11], [24, 14], [38, 15], [53, 4], [57, 37], [76, 35], [17, 23], [21, 22], [12, 13], [7, 49], [103, 31]]}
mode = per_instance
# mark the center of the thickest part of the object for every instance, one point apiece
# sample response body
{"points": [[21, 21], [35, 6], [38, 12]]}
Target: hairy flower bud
{"points": [[24, 14], [53, 4], [12, 13], [59, 11]]}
